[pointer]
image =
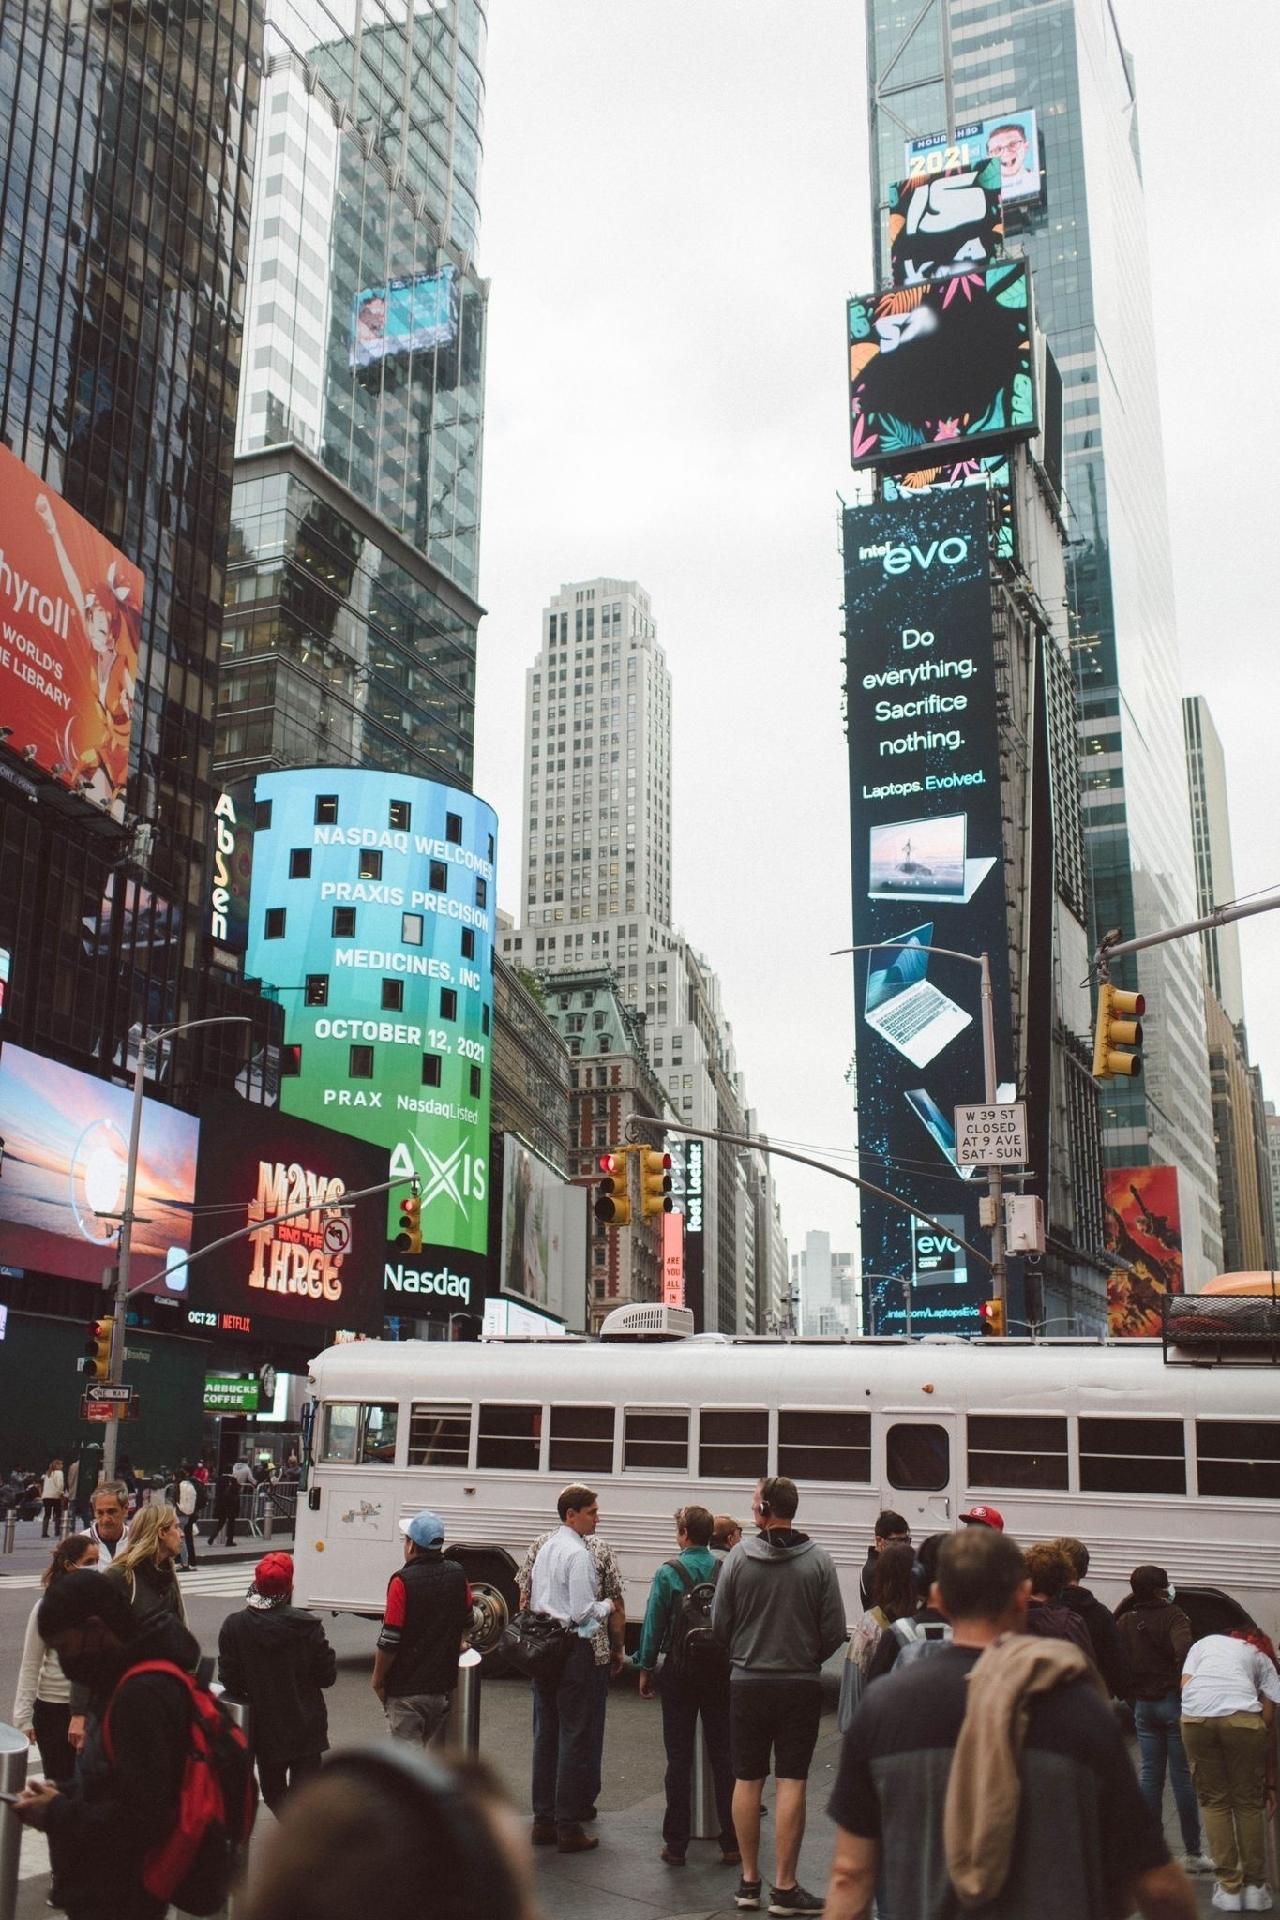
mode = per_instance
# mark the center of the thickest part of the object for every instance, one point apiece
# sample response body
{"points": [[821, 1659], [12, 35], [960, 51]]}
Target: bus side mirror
{"points": [[313, 1499]]}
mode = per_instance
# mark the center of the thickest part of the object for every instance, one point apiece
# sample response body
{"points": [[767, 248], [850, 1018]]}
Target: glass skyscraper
{"points": [[351, 612], [943, 64]]}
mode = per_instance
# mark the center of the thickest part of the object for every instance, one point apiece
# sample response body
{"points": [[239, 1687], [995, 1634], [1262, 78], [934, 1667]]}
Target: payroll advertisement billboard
{"points": [[924, 765], [371, 911], [70, 632]]}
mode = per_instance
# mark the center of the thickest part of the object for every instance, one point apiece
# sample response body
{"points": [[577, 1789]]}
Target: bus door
{"points": [[919, 1470]]}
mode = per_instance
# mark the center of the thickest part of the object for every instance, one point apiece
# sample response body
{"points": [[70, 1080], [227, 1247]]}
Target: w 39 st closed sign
{"points": [[993, 1136]]}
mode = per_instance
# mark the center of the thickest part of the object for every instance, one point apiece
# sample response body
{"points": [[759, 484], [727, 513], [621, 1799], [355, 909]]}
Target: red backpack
{"points": [[195, 1863]]}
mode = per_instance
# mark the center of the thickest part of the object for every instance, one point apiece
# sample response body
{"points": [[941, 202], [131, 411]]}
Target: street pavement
{"points": [[623, 1880]]}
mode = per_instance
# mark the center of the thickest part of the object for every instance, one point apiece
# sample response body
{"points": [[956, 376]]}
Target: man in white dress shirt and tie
{"points": [[565, 1583]]}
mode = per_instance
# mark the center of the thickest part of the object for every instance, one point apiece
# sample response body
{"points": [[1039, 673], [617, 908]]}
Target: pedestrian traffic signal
{"points": [[1119, 1026], [613, 1201], [409, 1238], [97, 1349], [655, 1182], [991, 1314]]}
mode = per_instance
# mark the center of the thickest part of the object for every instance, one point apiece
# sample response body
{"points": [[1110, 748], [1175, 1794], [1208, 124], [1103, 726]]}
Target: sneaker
{"points": [[795, 1900], [1197, 1863], [1258, 1900], [1225, 1901], [748, 1894]]}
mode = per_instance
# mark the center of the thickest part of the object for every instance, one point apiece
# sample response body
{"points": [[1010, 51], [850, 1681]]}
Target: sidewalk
{"points": [[31, 1553]]}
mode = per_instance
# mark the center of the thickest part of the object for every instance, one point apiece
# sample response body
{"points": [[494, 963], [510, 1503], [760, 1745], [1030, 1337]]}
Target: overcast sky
{"points": [[675, 206]]}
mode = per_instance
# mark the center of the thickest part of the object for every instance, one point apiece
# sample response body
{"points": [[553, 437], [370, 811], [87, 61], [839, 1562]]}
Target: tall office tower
{"points": [[1271, 1120], [350, 632], [125, 171], [825, 1283], [597, 890], [1074, 208], [1211, 840]]}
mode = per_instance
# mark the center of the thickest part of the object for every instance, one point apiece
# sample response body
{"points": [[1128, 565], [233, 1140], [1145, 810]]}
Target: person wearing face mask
{"points": [[1155, 1637], [101, 1824]]}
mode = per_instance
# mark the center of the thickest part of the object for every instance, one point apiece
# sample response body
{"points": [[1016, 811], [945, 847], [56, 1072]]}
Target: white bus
{"points": [[1144, 1461]]}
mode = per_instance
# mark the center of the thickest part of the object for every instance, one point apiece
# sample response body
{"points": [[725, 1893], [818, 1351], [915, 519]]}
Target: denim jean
{"points": [[564, 1732], [682, 1705], [1160, 1742]]}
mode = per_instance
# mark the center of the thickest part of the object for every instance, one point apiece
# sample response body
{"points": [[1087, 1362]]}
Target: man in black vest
{"points": [[425, 1622]]}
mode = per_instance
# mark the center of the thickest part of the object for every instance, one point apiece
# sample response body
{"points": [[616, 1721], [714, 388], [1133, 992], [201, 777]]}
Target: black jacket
{"points": [[1155, 1636], [277, 1661], [115, 1811], [437, 1612], [1108, 1655], [866, 1577]]}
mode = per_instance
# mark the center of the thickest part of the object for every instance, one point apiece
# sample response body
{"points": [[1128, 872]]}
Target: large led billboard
{"points": [[544, 1235], [64, 1145], [992, 472], [942, 369], [944, 223], [928, 873], [410, 315], [70, 631], [1143, 1225], [1010, 139], [296, 1275], [371, 911]]}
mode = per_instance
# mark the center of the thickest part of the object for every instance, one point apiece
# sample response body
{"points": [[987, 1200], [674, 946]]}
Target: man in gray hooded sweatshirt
{"points": [[778, 1611]]}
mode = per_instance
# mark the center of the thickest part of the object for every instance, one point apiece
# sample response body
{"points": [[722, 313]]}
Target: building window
{"points": [[476, 1083], [411, 929], [300, 863], [399, 815], [1131, 1456], [262, 816], [469, 944], [326, 809], [453, 829], [482, 892], [317, 990], [370, 866], [393, 996], [431, 1069], [344, 923], [484, 1019], [824, 1446], [290, 1062], [360, 1066], [448, 1003], [273, 924], [438, 876]]}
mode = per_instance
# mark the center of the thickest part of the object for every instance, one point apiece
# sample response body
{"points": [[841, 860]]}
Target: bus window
{"points": [[733, 1445], [509, 1436], [341, 1431], [1239, 1459], [581, 1440], [918, 1457], [363, 1435], [378, 1439], [439, 1436], [656, 1437], [824, 1446], [1018, 1450], [1131, 1456]]}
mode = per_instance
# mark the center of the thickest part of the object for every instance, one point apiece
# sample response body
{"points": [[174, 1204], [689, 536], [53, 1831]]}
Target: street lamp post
{"points": [[147, 1044], [896, 1280]]}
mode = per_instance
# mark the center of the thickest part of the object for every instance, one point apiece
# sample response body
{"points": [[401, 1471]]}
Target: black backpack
{"points": [[693, 1652]]}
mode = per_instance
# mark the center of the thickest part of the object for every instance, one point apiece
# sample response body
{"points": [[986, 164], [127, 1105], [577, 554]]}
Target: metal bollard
{"points": [[13, 1777], [239, 1713], [268, 1520], [463, 1727], [706, 1817], [10, 1528]]}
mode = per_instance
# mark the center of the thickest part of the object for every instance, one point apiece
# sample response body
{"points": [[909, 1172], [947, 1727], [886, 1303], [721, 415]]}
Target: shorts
{"points": [[773, 1712]]}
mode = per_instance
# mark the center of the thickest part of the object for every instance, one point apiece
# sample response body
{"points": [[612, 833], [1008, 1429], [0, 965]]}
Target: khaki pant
{"points": [[1228, 1765]]}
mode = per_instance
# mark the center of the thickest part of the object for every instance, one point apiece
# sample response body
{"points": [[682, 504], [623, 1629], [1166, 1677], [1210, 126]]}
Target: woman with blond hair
{"points": [[146, 1566]]}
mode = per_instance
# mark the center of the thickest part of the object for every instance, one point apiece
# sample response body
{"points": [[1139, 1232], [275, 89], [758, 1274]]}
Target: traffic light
{"points": [[613, 1201], [655, 1182], [97, 1349], [409, 1238], [991, 1314], [1119, 1025]]}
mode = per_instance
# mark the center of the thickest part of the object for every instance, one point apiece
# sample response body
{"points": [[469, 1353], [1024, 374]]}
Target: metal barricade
{"points": [[268, 1508], [13, 1777]]}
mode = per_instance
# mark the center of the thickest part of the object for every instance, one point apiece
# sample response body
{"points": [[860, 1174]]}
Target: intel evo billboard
{"points": [[928, 873], [371, 911]]}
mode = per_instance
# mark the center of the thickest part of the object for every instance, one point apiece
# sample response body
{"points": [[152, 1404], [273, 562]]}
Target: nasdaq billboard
{"points": [[928, 873], [371, 911]]}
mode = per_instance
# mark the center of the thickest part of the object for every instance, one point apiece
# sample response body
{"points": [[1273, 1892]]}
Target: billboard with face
{"points": [[70, 630], [1010, 139], [944, 223], [404, 316], [64, 1144], [928, 873], [1143, 1224], [941, 369]]}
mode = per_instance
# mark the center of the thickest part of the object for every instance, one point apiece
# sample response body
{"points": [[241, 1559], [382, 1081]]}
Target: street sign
{"points": [[108, 1409], [99, 1391], [994, 1136], [337, 1233]]}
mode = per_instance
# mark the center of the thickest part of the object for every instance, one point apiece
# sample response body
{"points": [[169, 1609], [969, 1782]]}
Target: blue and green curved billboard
{"points": [[372, 912]]}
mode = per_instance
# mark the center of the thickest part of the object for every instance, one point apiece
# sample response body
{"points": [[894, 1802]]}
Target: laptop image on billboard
{"points": [[925, 860], [903, 1005]]}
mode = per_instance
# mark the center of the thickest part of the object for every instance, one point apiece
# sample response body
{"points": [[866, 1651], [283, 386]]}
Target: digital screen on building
{"points": [[944, 366], [944, 223], [991, 472], [64, 1147], [544, 1235], [1010, 139], [404, 316], [927, 871], [70, 631], [691, 1162], [371, 909], [1142, 1222], [231, 873]]}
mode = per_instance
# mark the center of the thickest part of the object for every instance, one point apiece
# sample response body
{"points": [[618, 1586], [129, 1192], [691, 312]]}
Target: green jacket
{"points": [[663, 1594]]}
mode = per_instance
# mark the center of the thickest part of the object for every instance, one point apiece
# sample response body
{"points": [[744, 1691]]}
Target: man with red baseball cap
{"points": [[275, 1658], [983, 1517]]}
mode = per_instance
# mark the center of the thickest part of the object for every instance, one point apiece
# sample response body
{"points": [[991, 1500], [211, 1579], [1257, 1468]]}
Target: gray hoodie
{"points": [[777, 1607]]}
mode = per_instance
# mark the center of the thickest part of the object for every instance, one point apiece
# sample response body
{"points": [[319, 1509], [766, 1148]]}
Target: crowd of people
{"points": [[983, 1762]]}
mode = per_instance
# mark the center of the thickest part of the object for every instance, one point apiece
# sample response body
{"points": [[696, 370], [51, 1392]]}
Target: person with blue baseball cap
{"points": [[424, 1625]]}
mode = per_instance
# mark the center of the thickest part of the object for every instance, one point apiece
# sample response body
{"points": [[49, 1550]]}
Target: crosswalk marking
{"points": [[215, 1582]]}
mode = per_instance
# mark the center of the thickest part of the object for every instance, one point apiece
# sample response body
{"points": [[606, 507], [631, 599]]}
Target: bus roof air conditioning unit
{"points": [[645, 1320]]}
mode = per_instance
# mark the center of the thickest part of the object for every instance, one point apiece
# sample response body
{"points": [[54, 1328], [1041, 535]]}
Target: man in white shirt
{"points": [[566, 1584], [1230, 1690]]}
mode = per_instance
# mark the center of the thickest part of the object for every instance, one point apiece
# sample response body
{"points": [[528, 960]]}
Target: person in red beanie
{"points": [[276, 1659]]}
